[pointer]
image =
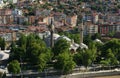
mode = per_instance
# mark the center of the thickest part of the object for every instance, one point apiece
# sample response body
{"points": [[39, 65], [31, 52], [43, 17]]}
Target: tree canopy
{"points": [[31, 49], [2, 43], [64, 63], [14, 67], [61, 46]]}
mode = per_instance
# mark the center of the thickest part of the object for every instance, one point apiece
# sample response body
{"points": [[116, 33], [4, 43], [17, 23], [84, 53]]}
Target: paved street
{"points": [[117, 76]]}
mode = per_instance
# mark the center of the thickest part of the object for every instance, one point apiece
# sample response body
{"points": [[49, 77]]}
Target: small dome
{"points": [[82, 45], [64, 37], [98, 40], [74, 46], [3, 56], [56, 36]]}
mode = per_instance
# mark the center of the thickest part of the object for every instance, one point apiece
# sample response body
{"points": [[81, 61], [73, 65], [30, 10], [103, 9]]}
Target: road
{"points": [[117, 76]]}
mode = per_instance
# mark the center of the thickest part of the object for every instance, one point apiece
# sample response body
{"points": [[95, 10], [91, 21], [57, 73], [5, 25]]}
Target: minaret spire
{"points": [[51, 33], [81, 33]]}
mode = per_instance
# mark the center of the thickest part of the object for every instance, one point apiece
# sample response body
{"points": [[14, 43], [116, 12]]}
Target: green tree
{"points": [[17, 53], [86, 57], [111, 34], [31, 49], [2, 43], [14, 67], [104, 62], [87, 39], [22, 41], [98, 46], [37, 52], [18, 49], [96, 36], [110, 58], [11, 6], [43, 59], [61, 46], [78, 58], [114, 46], [64, 63], [39, 56], [34, 52]]}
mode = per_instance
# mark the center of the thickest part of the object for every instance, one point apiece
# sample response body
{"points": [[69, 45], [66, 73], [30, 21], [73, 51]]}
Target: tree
{"points": [[111, 34], [64, 63], [110, 59], [32, 38], [96, 36], [22, 41], [87, 39], [43, 59], [78, 58], [14, 67], [86, 57], [98, 46], [39, 56], [34, 52], [17, 53], [61, 46], [72, 35], [114, 46], [2, 43], [31, 49], [37, 52], [11, 6]]}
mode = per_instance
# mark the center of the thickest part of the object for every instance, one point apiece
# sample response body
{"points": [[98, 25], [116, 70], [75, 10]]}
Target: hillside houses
{"points": [[32, 17]]}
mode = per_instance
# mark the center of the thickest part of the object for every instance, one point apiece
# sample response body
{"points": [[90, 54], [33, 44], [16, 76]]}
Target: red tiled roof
{"points": [[5, 31], [37, 28]]}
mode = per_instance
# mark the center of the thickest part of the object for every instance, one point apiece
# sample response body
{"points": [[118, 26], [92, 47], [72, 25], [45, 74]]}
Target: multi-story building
{"points": [[95, 18], [90, 28], [31, 20], [6, 16], [8, 35], [105, 29], [72, 20]]}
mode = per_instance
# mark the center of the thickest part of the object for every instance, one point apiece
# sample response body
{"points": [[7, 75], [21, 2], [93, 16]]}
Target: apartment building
{"points": [[6, 16], [71, 20], [90, 28], [105, 29]]}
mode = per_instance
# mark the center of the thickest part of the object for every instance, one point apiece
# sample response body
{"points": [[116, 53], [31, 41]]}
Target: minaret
{"points": [[51, 33], [81, 33], [81, 26]]}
